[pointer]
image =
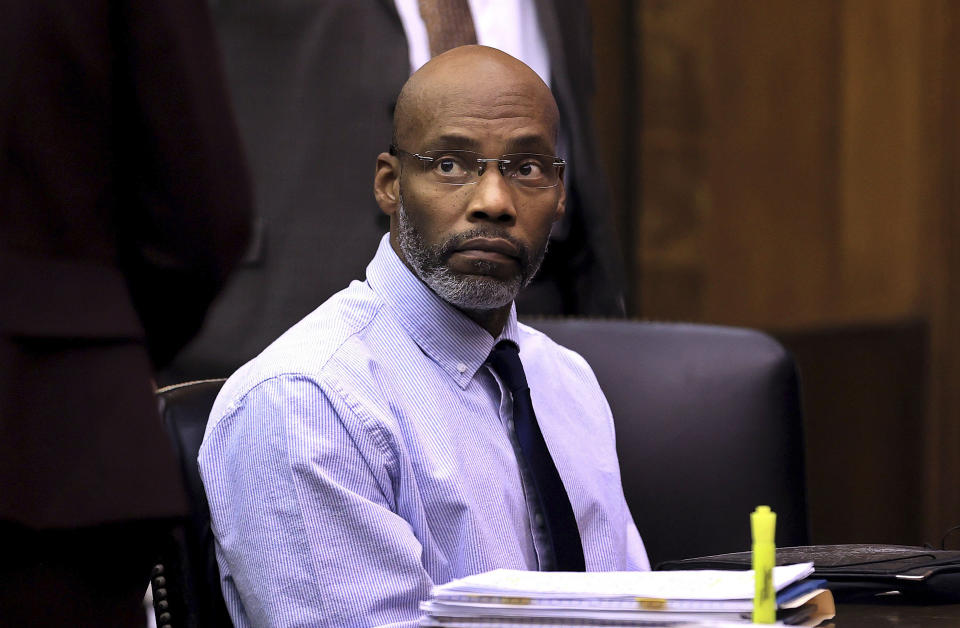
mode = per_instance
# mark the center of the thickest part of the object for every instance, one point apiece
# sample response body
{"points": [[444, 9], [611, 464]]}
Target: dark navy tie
{"points": [[554, 502]]}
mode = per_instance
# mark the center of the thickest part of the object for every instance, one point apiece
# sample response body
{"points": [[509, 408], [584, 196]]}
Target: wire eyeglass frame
{"points": [[430, 157]]}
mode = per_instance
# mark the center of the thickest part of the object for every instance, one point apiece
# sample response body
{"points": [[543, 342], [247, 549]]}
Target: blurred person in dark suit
{"points": [[315, 83], [124, 203]]}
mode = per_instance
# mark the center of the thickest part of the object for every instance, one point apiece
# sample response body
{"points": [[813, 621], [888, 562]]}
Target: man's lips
{"points": [[490, 249]]}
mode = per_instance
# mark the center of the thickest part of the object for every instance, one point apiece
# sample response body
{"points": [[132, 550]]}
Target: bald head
{"points": [[470, 80], [474, 234]]}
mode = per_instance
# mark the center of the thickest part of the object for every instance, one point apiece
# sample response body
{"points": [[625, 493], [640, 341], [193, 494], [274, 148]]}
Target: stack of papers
{"points": [[508, 597]]}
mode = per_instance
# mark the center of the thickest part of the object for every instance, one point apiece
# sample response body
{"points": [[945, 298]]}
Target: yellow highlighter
{"points": [[763, 523]]}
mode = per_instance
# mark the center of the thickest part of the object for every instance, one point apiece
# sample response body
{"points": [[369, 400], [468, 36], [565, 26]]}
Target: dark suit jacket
{"points": [[124, 202], [584, 261], [315, 83]]}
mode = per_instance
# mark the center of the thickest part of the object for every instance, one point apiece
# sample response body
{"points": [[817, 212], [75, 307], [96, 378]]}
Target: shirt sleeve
{"points": [[302, 507]]}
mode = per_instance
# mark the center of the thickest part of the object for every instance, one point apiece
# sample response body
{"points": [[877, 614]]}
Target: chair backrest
{"points": [[708, 427], [186, 579]]}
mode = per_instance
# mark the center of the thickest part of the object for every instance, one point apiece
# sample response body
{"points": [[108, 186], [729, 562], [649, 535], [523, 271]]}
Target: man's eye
{"points": [[529, 169], [449, 166]]}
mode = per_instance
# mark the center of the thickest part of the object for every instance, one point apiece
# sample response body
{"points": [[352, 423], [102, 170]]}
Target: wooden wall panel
{"points": [[783, 160], [882, 158], [614, 100], [771, 246], [798, 173], [864, 461], [674, 61], [941, 243]]}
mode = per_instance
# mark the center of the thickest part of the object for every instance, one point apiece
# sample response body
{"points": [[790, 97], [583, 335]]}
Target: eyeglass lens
{"points": [[463, 167]]}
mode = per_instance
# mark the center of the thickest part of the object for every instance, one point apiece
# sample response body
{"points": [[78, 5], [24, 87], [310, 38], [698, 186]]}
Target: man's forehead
{"points": [[521, 139], [479, 91], [518, 122]]}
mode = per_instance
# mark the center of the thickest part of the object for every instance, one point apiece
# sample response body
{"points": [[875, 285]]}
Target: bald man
{"points": [[383, 444]]}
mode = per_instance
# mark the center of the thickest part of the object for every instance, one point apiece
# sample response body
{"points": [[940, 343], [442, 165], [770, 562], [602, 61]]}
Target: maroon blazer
{"points": [[124, 203]]}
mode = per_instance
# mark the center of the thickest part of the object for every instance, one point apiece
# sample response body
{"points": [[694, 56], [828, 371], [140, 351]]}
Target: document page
{"points": [[666, 585]]}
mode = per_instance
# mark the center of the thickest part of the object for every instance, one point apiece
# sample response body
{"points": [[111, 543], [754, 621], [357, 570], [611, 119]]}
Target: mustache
{"points": [[453, 244]]}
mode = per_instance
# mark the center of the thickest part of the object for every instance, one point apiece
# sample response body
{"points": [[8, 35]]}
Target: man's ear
{"points": [[386, 183], [561, 202]]}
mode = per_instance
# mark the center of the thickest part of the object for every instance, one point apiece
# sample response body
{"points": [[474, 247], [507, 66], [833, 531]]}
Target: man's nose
{"points": [[492, 198]]}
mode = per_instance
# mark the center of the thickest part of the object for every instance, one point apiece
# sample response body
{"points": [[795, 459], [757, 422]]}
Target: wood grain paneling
{"points": [[863, 397], [784, 160], [771, 246], [614, 99], [798, 172], [941, 194], [883, 154], [674, 61]]}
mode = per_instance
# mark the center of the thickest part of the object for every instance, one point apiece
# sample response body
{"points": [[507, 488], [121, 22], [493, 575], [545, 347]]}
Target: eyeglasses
{"points": [[465, 167]]}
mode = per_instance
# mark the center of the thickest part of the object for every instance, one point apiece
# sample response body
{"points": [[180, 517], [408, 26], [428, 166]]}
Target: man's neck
{"points": [[492, 320]]}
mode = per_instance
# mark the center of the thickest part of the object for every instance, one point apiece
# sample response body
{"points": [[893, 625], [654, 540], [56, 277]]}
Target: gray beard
{"points": [[466, 292]]}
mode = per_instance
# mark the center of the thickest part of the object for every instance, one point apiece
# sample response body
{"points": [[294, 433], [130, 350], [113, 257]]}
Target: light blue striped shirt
{"points": [[365, 456]]}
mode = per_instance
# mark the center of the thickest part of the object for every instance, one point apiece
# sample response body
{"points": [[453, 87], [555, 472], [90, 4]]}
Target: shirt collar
{"points": [[455, 342]]}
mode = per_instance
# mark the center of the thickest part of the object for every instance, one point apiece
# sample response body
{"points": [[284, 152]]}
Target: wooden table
{"points": [[889, 614]]}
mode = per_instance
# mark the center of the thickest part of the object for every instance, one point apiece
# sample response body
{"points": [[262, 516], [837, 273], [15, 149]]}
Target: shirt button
{"points": [[510, 424], [462, 368], [538, 520]]}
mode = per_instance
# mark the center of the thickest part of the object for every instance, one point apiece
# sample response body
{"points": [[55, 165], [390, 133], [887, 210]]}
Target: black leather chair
{"points": [[708, 427], [186, 579]]}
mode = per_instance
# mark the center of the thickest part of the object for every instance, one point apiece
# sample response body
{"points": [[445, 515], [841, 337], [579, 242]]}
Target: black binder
{"points": [[916, 573]]}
